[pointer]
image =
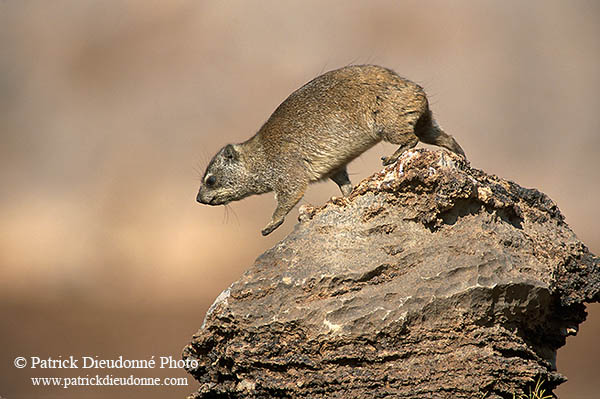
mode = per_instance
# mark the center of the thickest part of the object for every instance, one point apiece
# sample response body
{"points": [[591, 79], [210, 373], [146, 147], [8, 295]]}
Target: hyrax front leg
{"points": [[343, 181], [286, 200]]}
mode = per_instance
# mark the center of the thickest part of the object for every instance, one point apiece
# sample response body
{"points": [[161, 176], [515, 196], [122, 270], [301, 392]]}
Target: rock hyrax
{"points": [[316, 131]]}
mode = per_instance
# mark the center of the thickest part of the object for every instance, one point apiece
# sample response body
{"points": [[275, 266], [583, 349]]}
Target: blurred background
{"points": [[110, 111]]}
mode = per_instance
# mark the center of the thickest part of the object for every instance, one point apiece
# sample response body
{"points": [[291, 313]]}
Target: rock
{"points": [[432, 280]]}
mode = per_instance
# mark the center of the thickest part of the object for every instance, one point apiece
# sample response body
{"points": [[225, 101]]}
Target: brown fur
{"points": [[317, 131]]}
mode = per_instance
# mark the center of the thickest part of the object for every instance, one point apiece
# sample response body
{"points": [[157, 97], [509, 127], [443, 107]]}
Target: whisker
{"points": [[201, 164], [237, 220], [198, 172], [225, 215]]}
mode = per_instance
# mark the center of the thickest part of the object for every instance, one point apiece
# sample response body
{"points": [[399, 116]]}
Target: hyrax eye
{"points": [[211, 181]]}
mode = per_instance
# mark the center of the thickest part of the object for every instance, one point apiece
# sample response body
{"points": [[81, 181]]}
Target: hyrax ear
{"points": [[230, 152]]}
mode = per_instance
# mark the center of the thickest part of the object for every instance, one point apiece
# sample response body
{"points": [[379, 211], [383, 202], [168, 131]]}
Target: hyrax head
{"points": [[224, 178]]}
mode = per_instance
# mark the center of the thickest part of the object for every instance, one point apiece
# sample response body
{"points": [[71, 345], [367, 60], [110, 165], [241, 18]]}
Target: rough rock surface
{"points": [[432, 280]]}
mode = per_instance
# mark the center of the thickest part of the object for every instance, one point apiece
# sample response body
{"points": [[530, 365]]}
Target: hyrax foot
{"points": [[391, 159], [346, 190], [388, 160], [406, 141], [343, 181], [394, 157], [270, 227]]}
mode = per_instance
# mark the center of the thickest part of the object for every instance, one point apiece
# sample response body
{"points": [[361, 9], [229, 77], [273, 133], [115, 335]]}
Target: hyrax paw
{"points": [[266, 231], [270, 227], [387, 161]]}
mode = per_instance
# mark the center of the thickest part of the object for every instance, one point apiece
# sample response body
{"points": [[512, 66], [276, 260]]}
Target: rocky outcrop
{"points": [[432, 280]]}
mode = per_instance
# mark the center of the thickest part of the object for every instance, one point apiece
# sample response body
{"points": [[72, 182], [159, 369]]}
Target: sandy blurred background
{"points": [[110, 110]]}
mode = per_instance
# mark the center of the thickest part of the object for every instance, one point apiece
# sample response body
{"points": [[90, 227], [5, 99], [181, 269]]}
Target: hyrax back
{"points": [[317, 131]]}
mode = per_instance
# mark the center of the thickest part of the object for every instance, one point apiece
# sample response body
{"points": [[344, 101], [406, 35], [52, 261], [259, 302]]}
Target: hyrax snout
{"points": [[317, 131]]}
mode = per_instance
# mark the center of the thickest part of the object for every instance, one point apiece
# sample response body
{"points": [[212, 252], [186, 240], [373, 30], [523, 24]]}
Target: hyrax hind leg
{"points": [[429, 132], [343, 181], [401, 132]]}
